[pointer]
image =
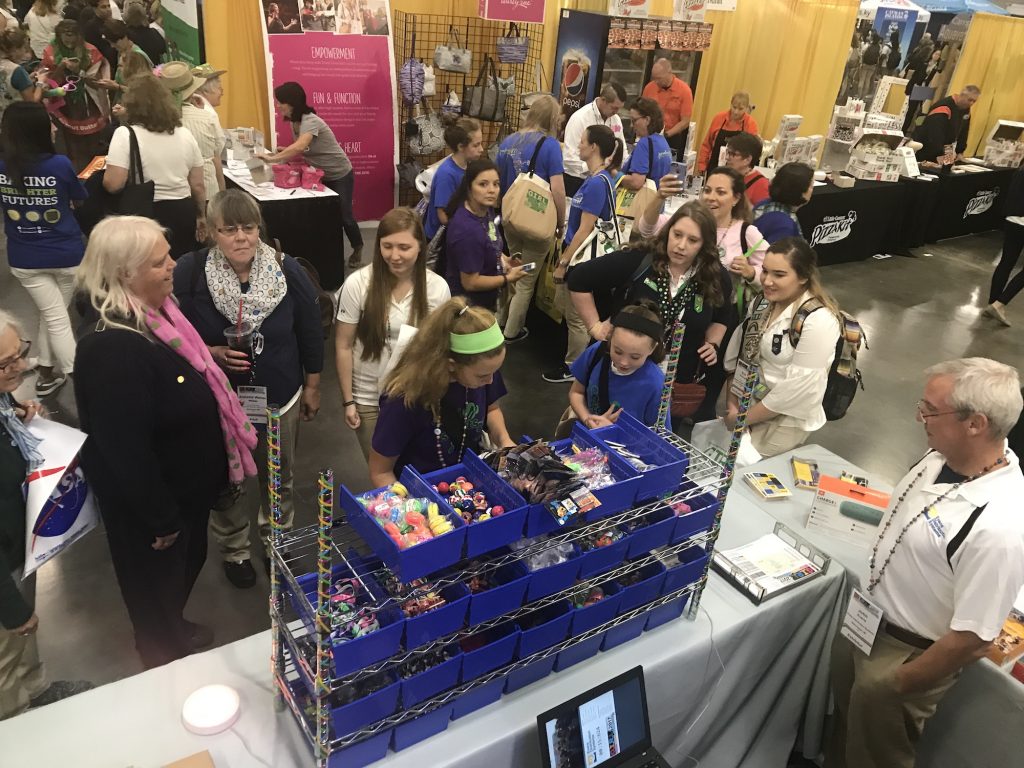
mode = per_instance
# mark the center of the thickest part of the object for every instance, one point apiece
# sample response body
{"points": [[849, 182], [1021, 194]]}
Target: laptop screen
{"points": [[601, 728]]}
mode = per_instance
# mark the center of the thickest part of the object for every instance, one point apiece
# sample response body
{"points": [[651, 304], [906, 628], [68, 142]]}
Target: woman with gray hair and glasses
{"points": [[167, 435], [23, 682]]}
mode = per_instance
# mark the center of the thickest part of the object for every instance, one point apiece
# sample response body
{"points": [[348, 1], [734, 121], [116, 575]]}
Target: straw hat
{"points": [[207, 71], [178, 78]]}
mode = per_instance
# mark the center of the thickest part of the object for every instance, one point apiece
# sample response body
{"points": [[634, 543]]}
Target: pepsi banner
{"points": [[581, 41], [59, 506]]}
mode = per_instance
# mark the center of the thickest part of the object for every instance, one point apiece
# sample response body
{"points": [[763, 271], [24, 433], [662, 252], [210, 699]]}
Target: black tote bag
{"points": [[136, 199]]}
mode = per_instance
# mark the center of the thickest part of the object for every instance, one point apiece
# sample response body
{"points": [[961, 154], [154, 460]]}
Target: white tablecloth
{"points": [[239, 173]]}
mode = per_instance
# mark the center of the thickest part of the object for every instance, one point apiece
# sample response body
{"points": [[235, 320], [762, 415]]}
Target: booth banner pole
{"points": [[325, 502], [345, 63], [273, 439]]}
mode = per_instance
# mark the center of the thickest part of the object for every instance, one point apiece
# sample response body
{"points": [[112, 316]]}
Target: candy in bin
{"points": [[403, 518], [419, 664], [357, 624], [416, 598], [472, 505], [577, 501], [585, 598], [546, 557], [601, 539], [480, 582], [680, 508]]}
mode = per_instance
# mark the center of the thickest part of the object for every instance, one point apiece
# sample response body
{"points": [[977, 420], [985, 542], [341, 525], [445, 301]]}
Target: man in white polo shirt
{"points": [[944, 571], [604, 110]]}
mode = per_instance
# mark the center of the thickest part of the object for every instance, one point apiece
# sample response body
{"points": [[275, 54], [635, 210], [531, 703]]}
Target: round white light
{"points": [[210, 709]]}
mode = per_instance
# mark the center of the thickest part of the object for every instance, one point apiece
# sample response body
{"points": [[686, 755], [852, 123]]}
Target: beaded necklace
{"points": [[672, 307], [437, 436], [875, 579]]}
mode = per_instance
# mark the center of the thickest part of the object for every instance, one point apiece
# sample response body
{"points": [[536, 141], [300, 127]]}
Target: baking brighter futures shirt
{"points": [[974, 590]]}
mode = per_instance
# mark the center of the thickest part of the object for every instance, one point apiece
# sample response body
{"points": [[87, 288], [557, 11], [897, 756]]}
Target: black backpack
{"points": [[843, 376], [871, 54]]}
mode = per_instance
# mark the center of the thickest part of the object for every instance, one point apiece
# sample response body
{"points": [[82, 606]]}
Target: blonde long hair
{"points": [[118, 247], [422, 376]]}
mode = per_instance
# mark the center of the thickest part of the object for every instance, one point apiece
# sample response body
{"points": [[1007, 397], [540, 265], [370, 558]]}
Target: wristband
{"points": [[349, 402]]}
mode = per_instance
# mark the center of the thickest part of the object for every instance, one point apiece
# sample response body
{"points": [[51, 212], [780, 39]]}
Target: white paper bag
{"points": [[713, 437]]}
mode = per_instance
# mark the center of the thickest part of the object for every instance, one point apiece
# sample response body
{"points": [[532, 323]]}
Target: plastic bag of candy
{"points": [[546, 557]]}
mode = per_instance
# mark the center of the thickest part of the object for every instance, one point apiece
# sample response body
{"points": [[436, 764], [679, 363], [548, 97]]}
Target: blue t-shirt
{"points": [[473, 245], [774, 223], [516, 152], [42, 232], [594, 197], [408, 433], [446, 180], [640, 160], [639, 393]]}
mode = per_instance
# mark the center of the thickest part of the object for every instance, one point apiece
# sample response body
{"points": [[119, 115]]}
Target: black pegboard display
{"points": [[480, 36]]}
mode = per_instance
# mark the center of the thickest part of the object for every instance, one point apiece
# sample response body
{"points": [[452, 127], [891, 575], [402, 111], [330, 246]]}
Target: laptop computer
{"points": [[606, 727]]}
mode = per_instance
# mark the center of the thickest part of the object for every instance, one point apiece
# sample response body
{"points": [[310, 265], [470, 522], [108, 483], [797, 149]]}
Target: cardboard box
{"points": [[788, 126], [873, 156], [843, 181], [847, 511], [1004, 147]]}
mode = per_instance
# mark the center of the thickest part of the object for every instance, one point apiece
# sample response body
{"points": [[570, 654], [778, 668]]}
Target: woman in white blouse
{"points": [[395, 289], [786, 406]]}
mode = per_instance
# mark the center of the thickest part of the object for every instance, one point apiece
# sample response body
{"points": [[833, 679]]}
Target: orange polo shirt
{"points": [[676, 101]]}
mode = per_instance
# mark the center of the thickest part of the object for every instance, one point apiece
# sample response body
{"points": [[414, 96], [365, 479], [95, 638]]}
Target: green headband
{"points": [[475, 343]]}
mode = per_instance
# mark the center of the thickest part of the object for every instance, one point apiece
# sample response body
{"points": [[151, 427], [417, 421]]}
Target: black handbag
{"points": [[136, 199]]}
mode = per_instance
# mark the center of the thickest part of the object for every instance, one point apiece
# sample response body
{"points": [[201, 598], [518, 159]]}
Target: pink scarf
{"points": [[174, 330]]}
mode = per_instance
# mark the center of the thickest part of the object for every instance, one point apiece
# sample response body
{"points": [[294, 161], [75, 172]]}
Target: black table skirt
{"points": [[853, 224], [309, 227], [969, 203]]}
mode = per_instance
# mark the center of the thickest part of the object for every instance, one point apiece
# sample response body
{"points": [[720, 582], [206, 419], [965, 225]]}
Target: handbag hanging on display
{"points": [[429, 137], [484, 99], [453, 58], [506, 85], [604, 238], [452, 104], [136, 198], [411, 77], [429, 81], [513, 46]]}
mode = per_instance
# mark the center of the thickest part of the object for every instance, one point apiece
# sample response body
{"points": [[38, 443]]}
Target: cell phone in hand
{"points": [[529, 267], [679, 169]]}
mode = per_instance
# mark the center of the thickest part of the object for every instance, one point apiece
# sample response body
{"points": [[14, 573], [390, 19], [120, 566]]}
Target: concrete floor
{"points": [[916, 312]]}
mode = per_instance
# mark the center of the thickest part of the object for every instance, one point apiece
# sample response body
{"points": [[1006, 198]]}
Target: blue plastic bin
{"points": [[629, 630], [700, 518], [584, 619], [666, 613], [417, 561], [422, 728], [349, 718], [689, 570], [362, 753], [652, 531], [554, 578], [498, 531], [439, 678], [579, 652], [652, 577], [353, 655], [551, 628], [513, 581], [498, 652], [600, 559], [480, 697], [530, 674], [668, 462], [422, 629], [614, 498]]}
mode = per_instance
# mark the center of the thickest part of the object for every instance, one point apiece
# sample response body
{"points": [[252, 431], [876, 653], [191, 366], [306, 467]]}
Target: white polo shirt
{"points": [[579, 121], [973, 591]]}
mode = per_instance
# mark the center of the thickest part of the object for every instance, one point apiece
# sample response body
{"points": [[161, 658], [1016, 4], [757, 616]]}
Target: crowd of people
{"points": [[194, 325]]}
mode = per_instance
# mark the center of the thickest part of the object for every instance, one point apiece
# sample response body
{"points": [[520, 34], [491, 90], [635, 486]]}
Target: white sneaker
{"points": [[996, 312]]}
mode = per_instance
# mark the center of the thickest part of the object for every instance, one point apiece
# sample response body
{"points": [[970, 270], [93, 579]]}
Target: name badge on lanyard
{"points": [[254, 403], [745, 370], [862, 621]]}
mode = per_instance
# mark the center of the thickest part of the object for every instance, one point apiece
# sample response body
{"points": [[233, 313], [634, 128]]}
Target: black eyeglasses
{"points": [[22, 354]]}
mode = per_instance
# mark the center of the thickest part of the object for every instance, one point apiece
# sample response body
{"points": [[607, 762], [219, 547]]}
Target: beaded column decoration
{"points": [[325, 502], [672, 363], [273, 439]]}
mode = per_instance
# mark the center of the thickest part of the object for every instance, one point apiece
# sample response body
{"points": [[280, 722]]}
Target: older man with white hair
{"points": [[199, 116], [944, 570]]}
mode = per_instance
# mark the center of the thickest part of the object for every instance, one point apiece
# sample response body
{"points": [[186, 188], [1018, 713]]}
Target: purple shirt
{"points": [[408, 433], [473, 245]]}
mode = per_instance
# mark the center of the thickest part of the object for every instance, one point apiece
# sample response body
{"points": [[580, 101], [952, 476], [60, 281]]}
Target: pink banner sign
{"points": [[524, 11], [349, 81]]}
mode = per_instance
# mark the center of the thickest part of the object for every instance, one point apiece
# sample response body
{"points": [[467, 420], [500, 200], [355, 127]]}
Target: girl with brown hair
{"points": [[442, 398], [393, 290]]}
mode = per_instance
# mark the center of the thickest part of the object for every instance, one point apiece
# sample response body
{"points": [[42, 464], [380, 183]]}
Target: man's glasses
{"points": [[22, 354], [924, 415]]}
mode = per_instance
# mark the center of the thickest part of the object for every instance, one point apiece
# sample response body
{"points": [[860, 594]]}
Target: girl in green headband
{"points": [[443, 395]]}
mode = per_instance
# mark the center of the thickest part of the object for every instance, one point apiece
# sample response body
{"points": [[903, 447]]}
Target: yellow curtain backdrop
{"points": [[789, 55], [233, 31], [992, 59]]}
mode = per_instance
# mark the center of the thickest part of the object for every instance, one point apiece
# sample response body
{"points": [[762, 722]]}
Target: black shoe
{"points": [[518, 337], [200, 636], [559, 375], [60, 689], [241, 575], [49, 386]]}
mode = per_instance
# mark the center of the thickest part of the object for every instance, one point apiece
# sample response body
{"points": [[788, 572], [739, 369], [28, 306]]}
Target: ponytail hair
{"points": [[647, 311], [458, 131], [804, 261], [607, 144], [421, 377]]}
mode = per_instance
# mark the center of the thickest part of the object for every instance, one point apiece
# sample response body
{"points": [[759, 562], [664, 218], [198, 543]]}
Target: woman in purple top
{"points": [[476, 267], [442, 395]]}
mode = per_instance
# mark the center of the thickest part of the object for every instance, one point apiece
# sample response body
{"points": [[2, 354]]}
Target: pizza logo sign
{"points": [[833, 229], [981, 202]]}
